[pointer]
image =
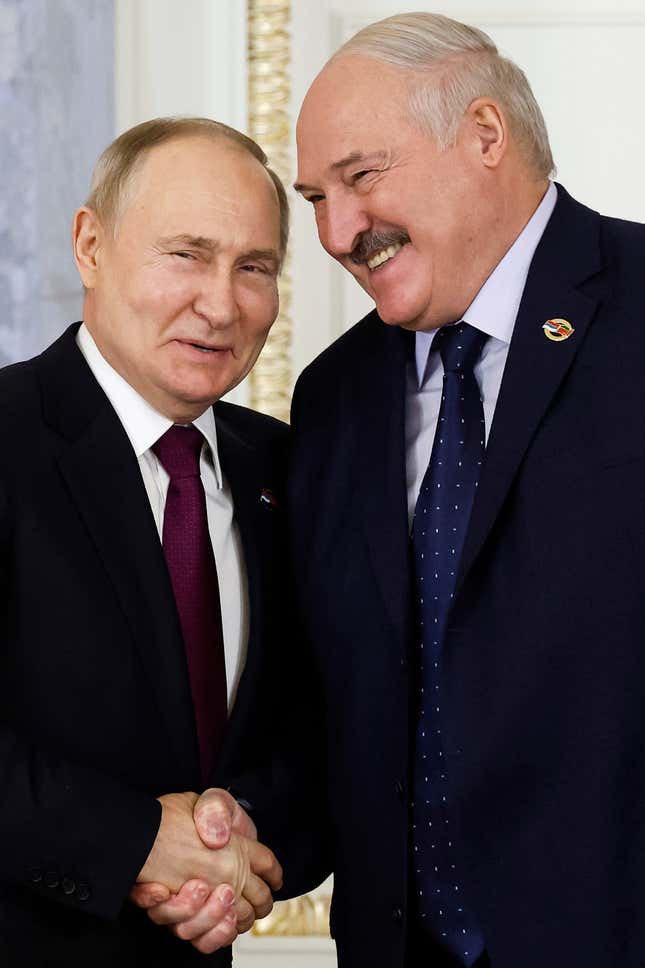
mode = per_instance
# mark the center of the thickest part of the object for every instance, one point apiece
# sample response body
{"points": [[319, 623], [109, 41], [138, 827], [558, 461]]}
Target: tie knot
{"points": [[460, 346], [179, 450]]}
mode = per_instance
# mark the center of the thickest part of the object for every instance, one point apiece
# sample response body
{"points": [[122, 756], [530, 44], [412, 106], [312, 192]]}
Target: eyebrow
{"points": [[202, 242], [195, 241], [269, 254], [351, 159]]}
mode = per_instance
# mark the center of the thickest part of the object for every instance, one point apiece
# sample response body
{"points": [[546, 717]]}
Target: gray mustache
{"points": [[372, 242]]}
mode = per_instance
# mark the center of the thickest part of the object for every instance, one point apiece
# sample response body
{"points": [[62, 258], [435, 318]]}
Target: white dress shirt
{"points": [[144, 426], [493, 311]]}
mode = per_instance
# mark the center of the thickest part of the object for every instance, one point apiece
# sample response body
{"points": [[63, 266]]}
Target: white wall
{"points": [[180, 58]]}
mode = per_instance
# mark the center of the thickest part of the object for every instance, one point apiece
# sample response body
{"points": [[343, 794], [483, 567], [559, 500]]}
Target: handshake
{"points": [[206, 877]]}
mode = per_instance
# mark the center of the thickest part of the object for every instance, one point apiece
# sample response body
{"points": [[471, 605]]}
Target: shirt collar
{"points": [[494, 308], [142, 423]]}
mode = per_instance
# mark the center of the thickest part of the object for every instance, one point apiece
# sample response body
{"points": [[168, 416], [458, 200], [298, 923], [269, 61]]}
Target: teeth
{"points": [[380, 257]]}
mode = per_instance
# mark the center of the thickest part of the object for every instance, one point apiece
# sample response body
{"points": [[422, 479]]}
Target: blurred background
{"points": [[74, 73]]}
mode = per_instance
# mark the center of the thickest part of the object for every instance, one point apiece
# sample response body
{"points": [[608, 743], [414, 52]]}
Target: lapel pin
{"points": [[558, 329], [267, 498]]}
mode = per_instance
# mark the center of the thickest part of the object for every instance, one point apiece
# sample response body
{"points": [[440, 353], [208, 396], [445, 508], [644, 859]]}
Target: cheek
{"points": [[259, 306], [321, 228], [160, 294]]}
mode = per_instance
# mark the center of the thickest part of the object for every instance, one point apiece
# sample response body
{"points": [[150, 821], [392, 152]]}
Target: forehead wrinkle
{"points": [[350, 159], [355, 156], [165, 192]]}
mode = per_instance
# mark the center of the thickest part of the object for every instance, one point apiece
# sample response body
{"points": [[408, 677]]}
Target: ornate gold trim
{"points": [[269, 89], [308, 915]]}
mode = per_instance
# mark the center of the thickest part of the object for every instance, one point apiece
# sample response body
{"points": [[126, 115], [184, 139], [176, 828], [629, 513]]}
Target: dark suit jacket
{"points": [[545, 652], [96, 717]]}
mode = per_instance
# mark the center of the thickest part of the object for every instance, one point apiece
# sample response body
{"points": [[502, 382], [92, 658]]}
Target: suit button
{"points": [[399, 789], [404, 662], [51, 879], [36, 875], [68, 886], [397, 914], [83, 893]]}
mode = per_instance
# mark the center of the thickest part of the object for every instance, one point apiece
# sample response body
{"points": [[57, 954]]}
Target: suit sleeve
{"points": [[286, 785], [287, 794], [67, 832]]}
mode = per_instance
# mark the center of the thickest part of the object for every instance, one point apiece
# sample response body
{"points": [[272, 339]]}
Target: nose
{"points": [[216, 299], [341, 224]]}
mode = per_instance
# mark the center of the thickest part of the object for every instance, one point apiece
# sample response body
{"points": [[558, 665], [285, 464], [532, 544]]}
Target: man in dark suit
{"points": [[140, 551], [483, 639], [468, 527]]}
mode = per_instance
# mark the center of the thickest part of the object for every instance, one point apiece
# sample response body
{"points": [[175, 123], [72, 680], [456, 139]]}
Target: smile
{"points": [[384, 255], [202, 347]]}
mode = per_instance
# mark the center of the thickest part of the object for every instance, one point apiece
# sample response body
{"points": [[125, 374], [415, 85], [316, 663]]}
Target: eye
{"points": [[313, 199], [361, 175], [254, 268], [184, 255]]}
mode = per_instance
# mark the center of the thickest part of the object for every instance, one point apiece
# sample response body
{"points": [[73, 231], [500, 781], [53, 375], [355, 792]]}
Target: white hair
{"points": [[456, 64]]}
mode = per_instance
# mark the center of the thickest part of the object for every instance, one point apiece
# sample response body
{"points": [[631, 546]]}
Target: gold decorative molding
{"points": [[302, 916], [269, 89]]}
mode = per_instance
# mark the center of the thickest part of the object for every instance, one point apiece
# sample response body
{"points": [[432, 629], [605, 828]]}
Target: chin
{"points": [[194, 400], [399, 316]]}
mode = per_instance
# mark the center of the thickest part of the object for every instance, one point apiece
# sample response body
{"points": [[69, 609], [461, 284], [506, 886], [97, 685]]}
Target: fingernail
{"points": [[217, 830], [227, 895], [200, 893], [158, 898]]}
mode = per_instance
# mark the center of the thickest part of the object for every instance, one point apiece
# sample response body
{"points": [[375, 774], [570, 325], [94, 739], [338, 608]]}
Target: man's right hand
{"points": [[179, 855], [208, 919]]}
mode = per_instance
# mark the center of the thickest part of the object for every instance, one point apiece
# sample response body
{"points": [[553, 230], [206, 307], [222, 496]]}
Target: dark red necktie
{"points": [[191, 563]]}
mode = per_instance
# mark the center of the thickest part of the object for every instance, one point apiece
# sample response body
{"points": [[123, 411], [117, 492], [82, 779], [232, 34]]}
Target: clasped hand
{"points": [[207, 877]]}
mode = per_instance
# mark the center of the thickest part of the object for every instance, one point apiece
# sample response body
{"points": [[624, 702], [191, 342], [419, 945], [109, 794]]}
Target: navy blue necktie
{"points": [[440, 521]]}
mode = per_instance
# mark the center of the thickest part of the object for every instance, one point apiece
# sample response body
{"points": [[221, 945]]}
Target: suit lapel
{"points": [[380, 419], [102, 474], [568, 254], [243, 471]]}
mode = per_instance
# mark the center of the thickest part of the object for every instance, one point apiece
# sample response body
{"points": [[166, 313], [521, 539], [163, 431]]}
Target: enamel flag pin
{"points": [[267, 498], [558, 329]]}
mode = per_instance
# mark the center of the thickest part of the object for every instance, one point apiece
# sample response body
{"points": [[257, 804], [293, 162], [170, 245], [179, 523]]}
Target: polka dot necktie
{"points": [[193, 574], [438, 531]]}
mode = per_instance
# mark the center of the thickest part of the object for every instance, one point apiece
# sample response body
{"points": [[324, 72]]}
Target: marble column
{"points": [[56, 116]]}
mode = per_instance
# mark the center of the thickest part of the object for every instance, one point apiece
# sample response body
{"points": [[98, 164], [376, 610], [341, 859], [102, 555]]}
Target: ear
{"points": [[88, 237], [490, 130]]}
